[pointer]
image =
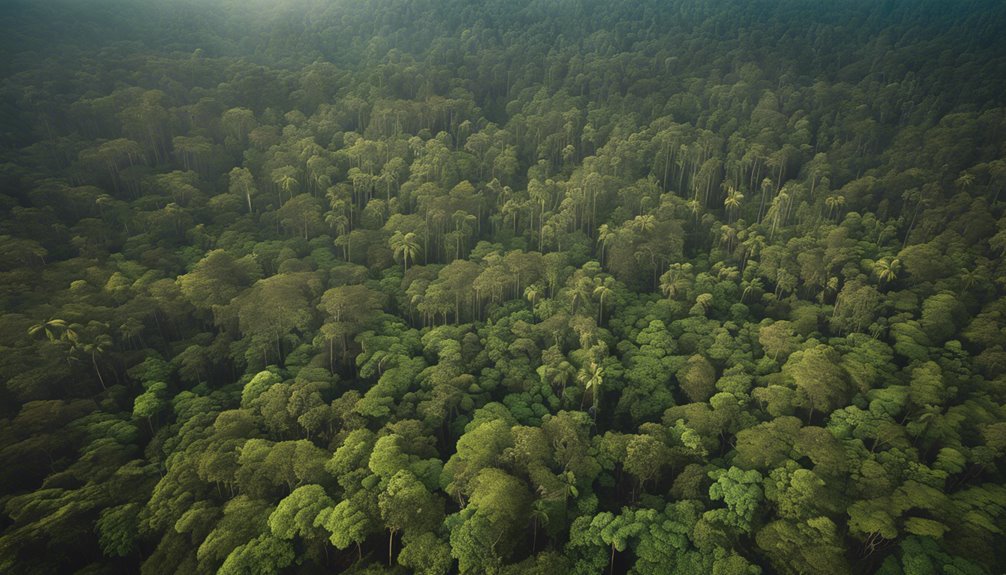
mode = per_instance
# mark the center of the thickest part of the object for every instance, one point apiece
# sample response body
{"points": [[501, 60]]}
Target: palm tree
{"points": [[132, 329], [777, 211], [644, 223], [887, 269], [463, 224], [695, 207], [785, 282], [337, 221], [728, 236], [733, 200], [676, 280], [345, 241], [752, 247], [511, 212], [560, 376], [532, 292], [317, 168], [592, 379], [93, 347], [604, 235], [819, 170], [54, 330], [833, 203], [601, 290], [965, 181], [581, 291], [754, 284], [972, 276], [284, 178], [539, 514], [406, 247]]}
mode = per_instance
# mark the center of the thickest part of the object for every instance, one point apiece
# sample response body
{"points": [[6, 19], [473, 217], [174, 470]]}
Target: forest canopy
{"points": [[503, 287]]}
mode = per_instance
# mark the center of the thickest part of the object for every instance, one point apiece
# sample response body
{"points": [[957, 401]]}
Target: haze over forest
{"points": [[503, 287]]}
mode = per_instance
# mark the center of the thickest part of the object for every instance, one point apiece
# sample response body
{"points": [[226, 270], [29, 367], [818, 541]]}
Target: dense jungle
{"points": [[503, 287]]}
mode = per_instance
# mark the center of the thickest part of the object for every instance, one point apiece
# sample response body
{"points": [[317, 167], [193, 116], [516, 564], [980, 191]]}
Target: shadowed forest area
{"points": [[503, 287]]}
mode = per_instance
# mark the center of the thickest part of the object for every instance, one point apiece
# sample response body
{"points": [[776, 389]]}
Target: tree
{"points": [[218, 278], [834, 203], [243, 519], [117, 529], [819, 377], [811, 546], [406, 247], [92, 343], [777, 338], [677, 280], [742, 493], [150, 403], [238, 122], [697, 378], [603, 289], [426, 554], [349, 523], [285, 178], [887, 269], [295, 515], [539, 516], [406, 505], [260, 556], [54, 330], [276, 306], [349, 309], [733, 201], [766, 445], [645, 457], [941, 315], [485, 532], [592, 378], [301, 213]]}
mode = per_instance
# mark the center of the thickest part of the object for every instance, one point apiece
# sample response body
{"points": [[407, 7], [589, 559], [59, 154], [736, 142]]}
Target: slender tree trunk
{"points": [[391, 542], [101, 379], [911, 225], [534, 536]]}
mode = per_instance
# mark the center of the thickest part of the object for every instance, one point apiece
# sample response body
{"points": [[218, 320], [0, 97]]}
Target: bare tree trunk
{"points": [[391, 542], [101, 379]]}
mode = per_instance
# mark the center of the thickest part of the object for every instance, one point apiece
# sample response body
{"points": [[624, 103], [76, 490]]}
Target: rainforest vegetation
{"points": [[503, 287]]}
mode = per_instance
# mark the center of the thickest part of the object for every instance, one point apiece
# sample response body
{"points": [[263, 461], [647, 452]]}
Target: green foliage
{"points": [[820, 381], [348, 523], [260, 556], [917, 555], [407, 505], [811, 546], [296, 513], [741, 492], [243, 519], [426, 554], [697, 378], [502, 287], [117, 529]]}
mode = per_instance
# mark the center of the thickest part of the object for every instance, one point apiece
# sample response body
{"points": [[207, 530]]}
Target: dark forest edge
{"points": [[503, 287]]}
